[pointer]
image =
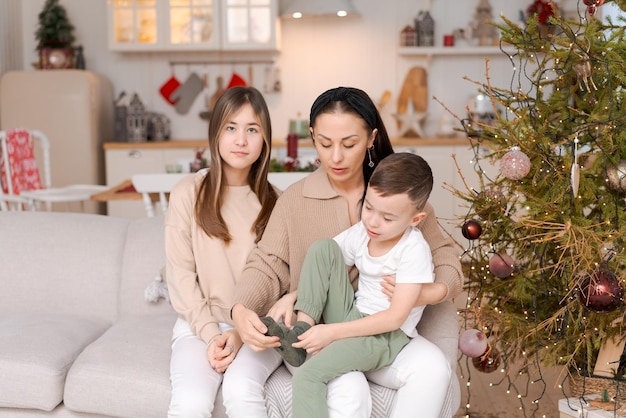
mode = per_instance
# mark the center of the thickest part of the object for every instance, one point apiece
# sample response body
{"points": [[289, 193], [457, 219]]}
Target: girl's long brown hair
{"points": [[210, 195]]}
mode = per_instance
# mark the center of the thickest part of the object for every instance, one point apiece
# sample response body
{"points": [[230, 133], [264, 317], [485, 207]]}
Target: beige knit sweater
{"points": [[307, 211], [202, 272]]}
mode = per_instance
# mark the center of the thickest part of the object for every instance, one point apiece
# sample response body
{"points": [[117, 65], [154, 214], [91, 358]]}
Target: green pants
{"points": [[324, 291]]}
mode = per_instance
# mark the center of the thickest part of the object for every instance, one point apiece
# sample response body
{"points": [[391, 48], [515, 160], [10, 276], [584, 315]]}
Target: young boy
{"points": [[361, 331]]}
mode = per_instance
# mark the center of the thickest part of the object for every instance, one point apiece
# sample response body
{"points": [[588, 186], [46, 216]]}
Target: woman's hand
{"points": [[283, 308], [223, 349], [316, 338], [389, 285], [251, 330]]}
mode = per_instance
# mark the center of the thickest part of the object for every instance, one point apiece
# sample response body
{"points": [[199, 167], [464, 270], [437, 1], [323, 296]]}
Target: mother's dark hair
{"points": [[356, 101]]}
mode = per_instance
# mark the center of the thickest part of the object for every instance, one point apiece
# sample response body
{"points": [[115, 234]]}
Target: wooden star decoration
{"points": [[411, 122]]}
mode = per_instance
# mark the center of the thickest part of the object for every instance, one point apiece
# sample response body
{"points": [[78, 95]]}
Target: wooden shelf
{"points": [[450, 50], [278, 143]]}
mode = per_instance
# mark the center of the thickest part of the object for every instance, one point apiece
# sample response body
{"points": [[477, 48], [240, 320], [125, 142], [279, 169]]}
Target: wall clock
{"points": [[56, 58]]}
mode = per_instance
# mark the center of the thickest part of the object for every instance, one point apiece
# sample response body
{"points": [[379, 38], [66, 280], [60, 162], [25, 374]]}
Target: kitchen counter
{"points": [[278, 143]]}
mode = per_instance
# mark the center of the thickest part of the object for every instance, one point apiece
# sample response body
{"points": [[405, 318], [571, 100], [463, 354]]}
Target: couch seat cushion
{"points": [[126, 372], [36, 351]]}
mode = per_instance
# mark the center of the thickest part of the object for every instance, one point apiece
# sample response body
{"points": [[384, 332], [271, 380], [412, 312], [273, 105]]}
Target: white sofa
{"points": [[78, 338]]}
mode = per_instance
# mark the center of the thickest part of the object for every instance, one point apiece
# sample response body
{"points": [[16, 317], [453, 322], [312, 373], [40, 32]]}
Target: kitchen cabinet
{"points": [[122, 160], [450, 210], [192, 25]]}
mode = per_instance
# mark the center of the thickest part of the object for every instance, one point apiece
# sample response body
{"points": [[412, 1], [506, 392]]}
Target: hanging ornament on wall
{"points": [[515, 165], [601, 291], [473, 343], [501, 265], [471, 229], [616, 177], [488, 362]]}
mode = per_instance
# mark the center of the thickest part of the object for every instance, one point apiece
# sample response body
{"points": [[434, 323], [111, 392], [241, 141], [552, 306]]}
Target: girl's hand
{"points": [[316, 338], [223, 349], [283, 308]]}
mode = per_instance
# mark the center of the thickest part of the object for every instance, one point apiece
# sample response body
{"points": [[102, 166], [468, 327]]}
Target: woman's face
{"points": [[341, 141], [240, 144]]}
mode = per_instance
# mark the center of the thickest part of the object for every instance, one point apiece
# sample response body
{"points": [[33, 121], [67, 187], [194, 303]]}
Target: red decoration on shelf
{"points": [[543, 9]]}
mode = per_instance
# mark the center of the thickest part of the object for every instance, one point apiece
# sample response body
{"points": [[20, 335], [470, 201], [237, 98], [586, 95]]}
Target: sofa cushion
{"points": [[36, 351], [144, 257], [61, 262], [125, 373]]}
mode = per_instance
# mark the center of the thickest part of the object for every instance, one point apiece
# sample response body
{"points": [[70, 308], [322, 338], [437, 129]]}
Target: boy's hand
{"points": [[316, 338]]}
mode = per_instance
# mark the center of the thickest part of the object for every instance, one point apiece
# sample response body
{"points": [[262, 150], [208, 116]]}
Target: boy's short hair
{"points": [[404, 172]]}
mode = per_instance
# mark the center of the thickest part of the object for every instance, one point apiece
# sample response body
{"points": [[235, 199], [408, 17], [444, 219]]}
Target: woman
{"points": [[213, 221], [350, 139]]}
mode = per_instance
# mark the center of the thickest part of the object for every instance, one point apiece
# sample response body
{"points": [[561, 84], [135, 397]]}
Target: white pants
{"points": [[421, 374], [194, 382], [242, 389]]}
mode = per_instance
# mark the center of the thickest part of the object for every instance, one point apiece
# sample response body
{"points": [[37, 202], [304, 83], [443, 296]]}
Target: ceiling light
{"points": [[306, 8]]}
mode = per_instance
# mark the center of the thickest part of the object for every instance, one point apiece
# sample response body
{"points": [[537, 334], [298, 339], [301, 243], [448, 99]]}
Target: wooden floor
{"points": [[492, 396]]}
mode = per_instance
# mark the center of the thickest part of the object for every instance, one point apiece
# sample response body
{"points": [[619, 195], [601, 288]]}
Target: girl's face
{"points": [[240, 145], [341, 141]]}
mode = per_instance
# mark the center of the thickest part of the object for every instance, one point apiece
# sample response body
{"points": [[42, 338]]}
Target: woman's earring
{"points": [[369, 154]]}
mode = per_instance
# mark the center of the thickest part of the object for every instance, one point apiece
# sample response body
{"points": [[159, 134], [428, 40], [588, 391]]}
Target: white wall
{"points": [[316, 54]]}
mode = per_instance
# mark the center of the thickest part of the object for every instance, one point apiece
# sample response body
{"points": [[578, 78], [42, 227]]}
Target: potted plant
{"points": [[54, 35]]}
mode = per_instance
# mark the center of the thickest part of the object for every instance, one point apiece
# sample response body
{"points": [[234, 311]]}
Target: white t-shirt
{"points": [[410, 261]]}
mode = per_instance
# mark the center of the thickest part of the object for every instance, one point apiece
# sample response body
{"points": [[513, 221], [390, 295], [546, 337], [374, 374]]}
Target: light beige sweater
{"points": [[202, 272], [310, 210]]}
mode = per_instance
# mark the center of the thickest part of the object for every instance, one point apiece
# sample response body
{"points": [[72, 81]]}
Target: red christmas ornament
{"points": [[515, 165], [471, 229], [488, 362], [593, 2], [601, 291], [501, 265], [473, 343]]}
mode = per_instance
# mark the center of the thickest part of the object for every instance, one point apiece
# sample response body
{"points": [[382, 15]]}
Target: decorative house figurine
{"points": [[425, 27], [130, 119], [408, 36], [482, 29], [158, 128]]}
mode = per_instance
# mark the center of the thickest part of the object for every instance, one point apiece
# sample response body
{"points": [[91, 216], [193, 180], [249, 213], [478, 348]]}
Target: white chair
{"points": [[282, 180], [32, 198], [159, 183], [162, 184]]}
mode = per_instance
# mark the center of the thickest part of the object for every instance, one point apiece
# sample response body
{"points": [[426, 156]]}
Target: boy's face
{"points": [[387, 217]]}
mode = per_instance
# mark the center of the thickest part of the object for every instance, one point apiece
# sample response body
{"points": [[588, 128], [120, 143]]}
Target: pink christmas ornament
{"points": [[514, 165], [472, 343], [501, 265]]}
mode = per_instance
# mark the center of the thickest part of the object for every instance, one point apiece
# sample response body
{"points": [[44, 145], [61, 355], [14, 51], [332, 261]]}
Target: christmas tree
{"points": [[55, 29], [545, 257]]}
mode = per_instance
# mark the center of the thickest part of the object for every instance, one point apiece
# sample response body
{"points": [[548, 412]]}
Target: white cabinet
{"points": [[192, 25], [122, 160], [450, 210]]}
